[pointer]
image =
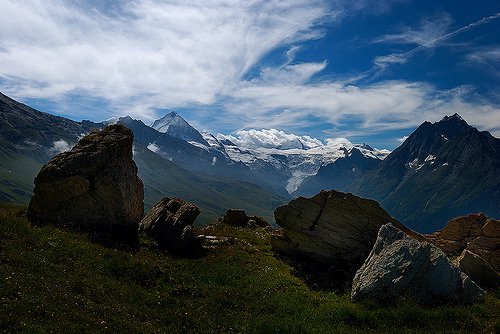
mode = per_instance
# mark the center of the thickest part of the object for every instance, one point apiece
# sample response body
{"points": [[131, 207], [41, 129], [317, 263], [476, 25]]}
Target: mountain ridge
{"points": [[443, 169], [29, 142]]}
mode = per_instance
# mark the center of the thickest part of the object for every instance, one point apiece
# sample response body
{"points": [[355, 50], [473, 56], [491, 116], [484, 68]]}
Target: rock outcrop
{"points": [[94, 187], [401, 267], [332, 227], [239, 218], [169, 223], [475, 233], [478, 269]]}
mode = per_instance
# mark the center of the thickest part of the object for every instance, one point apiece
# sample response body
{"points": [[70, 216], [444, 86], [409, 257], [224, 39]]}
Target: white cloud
{"points": [[490, 55], [139, 55], [153, 147], [60, 146], [145, 53], [339, 142], [271, 138], [428, 31], [383, 106], [402, 139], [486, 58]]}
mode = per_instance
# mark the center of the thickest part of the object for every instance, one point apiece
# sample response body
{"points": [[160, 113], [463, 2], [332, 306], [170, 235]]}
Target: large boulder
{"points": [[93, 187], [333, 228], [169, 223], [239, 218], [475, 233], [401, 267]]}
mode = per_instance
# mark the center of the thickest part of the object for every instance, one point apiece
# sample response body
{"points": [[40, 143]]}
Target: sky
{"points": [[369, 71]]}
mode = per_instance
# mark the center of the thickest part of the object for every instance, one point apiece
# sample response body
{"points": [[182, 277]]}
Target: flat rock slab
{"points": [[401, 267], [332, 228]]}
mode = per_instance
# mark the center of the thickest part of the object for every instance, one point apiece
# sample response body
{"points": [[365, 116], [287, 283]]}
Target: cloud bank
{"points": [[271, 138]]}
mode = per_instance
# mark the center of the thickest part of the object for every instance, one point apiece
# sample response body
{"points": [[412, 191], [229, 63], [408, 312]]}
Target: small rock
{"points": [[170, 224], [239, 218], [401, 267]]}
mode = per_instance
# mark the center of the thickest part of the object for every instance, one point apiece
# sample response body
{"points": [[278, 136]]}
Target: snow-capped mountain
{"points": [[295, 161], [282, 159], [177, 127]]}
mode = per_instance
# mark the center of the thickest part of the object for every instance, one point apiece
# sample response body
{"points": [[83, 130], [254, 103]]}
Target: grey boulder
{"points": [[401, 267]]}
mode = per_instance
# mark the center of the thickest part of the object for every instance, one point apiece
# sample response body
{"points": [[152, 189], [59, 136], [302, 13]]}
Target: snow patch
{"points": [[153, 147], [430, 158], [31, 143], [200, 145], [414, 164]]}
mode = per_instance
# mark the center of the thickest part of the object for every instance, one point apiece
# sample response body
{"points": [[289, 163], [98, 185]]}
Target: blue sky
{"points": [[370, 71]]}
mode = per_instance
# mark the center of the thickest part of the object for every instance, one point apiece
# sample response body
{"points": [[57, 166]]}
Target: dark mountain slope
{"points": [[441, 171], [23, 125], [339, 174]]}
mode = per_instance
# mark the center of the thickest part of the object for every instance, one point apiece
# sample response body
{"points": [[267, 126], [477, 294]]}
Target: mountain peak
{"points": [[176, 126], [170, 119], [452, 126], [453, 118]]}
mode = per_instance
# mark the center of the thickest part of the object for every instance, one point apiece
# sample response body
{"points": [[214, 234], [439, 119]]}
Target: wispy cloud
{"points": [[429, 34], [138, 56], [143, 54], [386, 105], [428, 30], [486, 57]]}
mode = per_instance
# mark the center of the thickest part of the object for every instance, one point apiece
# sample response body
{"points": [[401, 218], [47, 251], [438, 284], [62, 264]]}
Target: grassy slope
{"points": [[161, 178], [16, 174], [214, 196], [55, 281]]}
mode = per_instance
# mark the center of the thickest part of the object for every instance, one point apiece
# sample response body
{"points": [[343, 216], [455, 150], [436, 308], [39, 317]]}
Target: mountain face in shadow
{"points": [[441, 171], [339, 174]]}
